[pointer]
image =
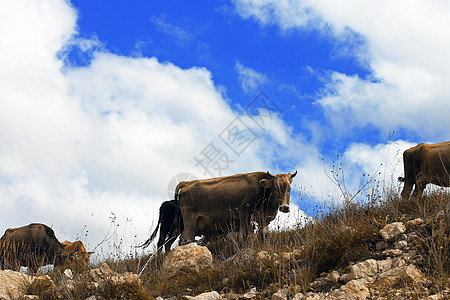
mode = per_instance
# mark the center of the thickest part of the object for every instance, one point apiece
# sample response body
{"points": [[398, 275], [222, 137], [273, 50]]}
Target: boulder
{"points": [[393, 230], [191, 259], [278, 296], [13, 284], [414, 223], [334, 276], [353, 290], [413, 275], [104, 274], [204, 296], [364, 269]]}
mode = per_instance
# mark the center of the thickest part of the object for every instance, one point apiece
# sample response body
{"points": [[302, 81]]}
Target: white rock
{"points": [[278, 296], [414, 223], [204, 296], [334, 276], [298, 296], [353, 290], [189, 258], [364, 269], [68, 274], [393, 230], [401, 244]]}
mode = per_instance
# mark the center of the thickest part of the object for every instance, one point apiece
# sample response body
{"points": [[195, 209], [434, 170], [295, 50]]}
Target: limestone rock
{"points": [[68, 274], [364, 269], [393, 230], [384, 265], [389, 278], [298, 296], [104, 274], [413, 275], [414, 223], [278, 296], [13, 284], [312, 296], [334, 276], [204, 296], [401, 244], [353, 290], [346, 277], [189, 258]]}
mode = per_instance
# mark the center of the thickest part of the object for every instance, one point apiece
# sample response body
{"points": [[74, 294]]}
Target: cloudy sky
{"points": [[104, 105]]}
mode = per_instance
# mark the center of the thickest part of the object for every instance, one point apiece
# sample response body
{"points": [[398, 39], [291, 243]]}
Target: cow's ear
{"points": [[266, 183]]}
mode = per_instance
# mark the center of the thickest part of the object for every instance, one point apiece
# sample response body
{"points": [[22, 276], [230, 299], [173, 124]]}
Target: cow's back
{"points": [[230, 189], [33, 245], [428, 163], [214, 202]]}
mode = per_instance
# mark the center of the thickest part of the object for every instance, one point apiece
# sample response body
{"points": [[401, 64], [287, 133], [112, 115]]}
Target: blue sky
{"points": [[212, 35], [105, 105]]}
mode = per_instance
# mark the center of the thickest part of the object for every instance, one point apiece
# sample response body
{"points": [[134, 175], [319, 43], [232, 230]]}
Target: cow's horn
{"points": [[270, 175], [293, 175]]}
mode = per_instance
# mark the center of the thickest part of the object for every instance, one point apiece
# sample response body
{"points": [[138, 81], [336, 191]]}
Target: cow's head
{"points": [[75, 253], [280, 186]]}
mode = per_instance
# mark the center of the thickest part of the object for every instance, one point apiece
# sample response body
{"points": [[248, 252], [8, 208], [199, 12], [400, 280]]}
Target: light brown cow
{"points": [[423, 164], [229, 202], [36, 245], [75, 253]]}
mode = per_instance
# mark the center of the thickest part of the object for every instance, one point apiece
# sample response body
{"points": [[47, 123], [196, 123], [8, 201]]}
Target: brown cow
{"points": [[423, 164], [36, 245], [229, 202], [75, 253]]}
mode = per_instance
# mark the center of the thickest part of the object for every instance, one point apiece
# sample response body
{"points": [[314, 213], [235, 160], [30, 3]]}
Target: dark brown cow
{"points": [[36, 245], [423, 164], [171, 223], [229, 202]]}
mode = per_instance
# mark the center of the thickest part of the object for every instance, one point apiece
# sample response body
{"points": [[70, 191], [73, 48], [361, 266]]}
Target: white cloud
{"points": [[180, 35], [79, 144], [359, 162], [249, 79], [406, 47], [286, 221]]}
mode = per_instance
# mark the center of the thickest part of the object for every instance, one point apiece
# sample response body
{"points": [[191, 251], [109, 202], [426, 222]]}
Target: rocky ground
{"points": [[395, 276], [385, 248]]}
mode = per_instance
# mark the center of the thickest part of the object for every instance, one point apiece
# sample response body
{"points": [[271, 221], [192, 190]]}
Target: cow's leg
{"points": [[161, 241], [188, 235], [407, 189], [244, 224], [170, 241], [418, 190]]}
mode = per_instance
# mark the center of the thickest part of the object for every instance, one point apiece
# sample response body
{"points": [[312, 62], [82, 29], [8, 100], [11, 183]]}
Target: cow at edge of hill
{"points": [[423, 164], [229, 202], [170, 225], [36, 245]]}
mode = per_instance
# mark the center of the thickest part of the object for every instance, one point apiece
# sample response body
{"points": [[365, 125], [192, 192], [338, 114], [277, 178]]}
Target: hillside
{"points": [[342, 254]]}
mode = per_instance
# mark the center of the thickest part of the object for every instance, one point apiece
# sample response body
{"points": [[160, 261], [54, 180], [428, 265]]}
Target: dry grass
{"points": [[345, 234]]}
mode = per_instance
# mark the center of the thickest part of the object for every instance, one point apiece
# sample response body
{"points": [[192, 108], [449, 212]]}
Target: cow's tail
{"points": [[177, 190], [152, 237], [401, 179]]}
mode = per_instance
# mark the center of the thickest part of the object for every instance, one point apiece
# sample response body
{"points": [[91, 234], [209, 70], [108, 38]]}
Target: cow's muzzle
{"points": [[284, 208]]}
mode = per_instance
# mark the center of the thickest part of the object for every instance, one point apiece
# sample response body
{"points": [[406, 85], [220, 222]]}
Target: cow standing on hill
{"points": [[170, 225], [423, 164], [229, 202], [36, 245]]}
